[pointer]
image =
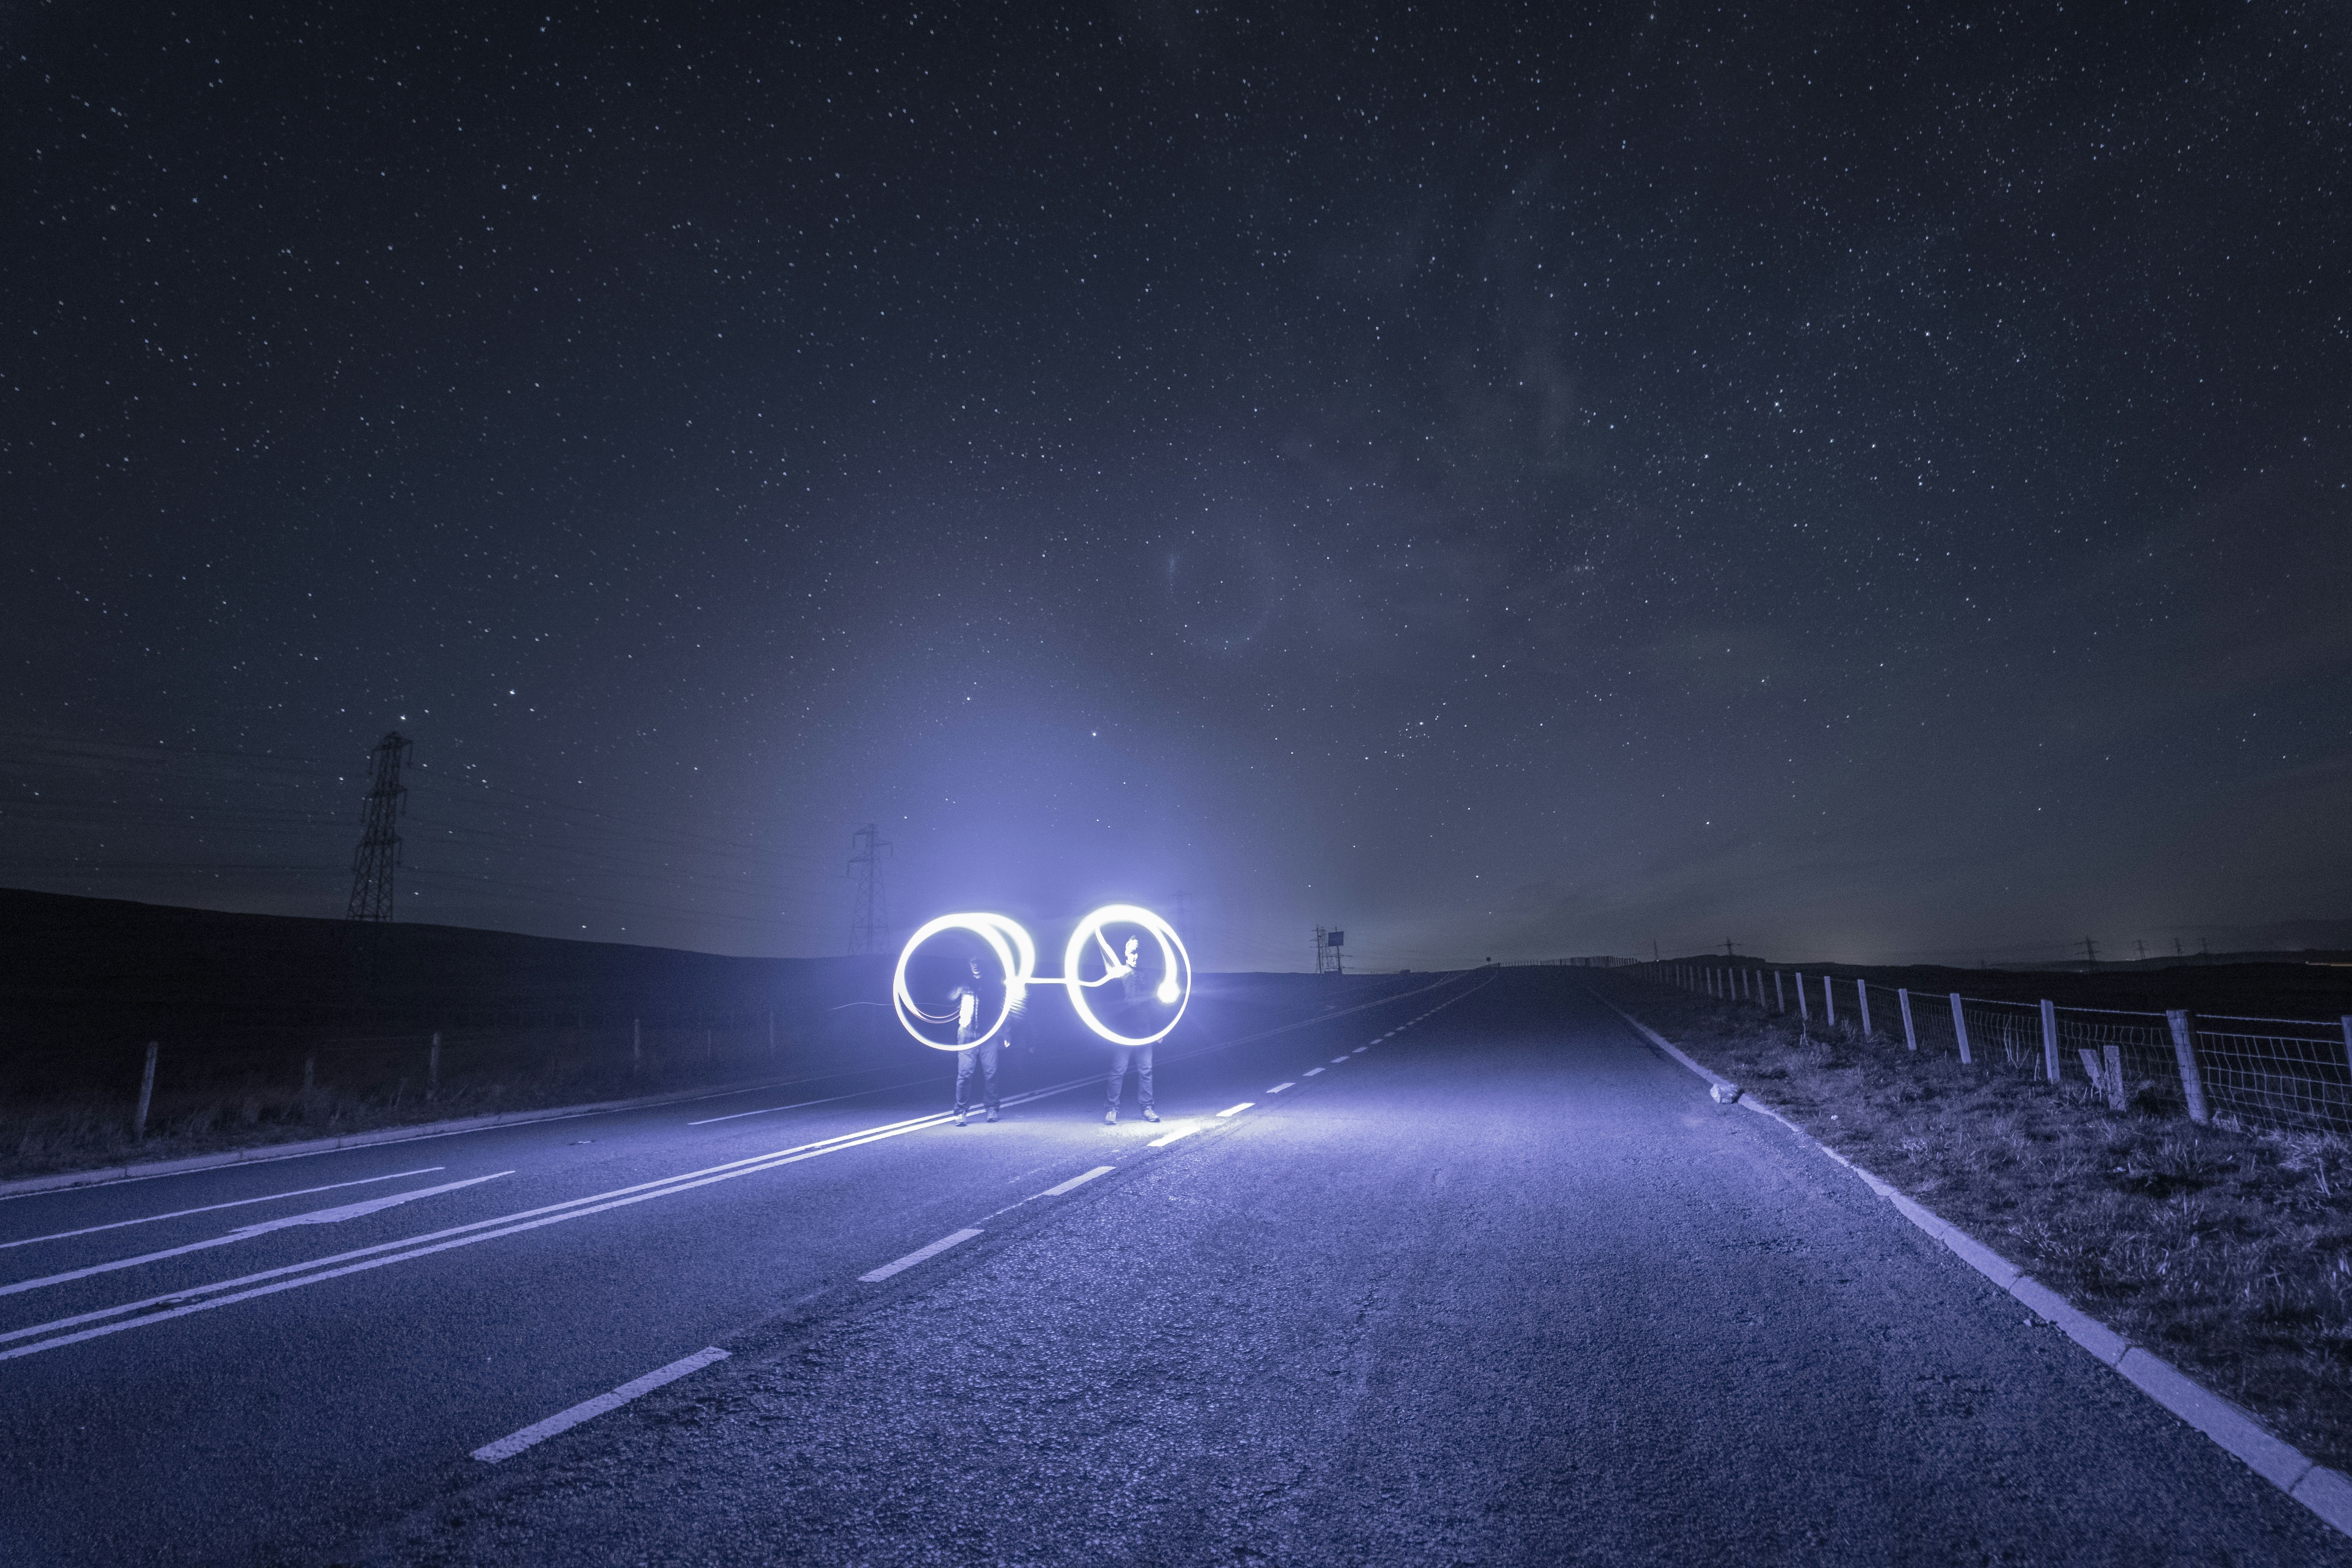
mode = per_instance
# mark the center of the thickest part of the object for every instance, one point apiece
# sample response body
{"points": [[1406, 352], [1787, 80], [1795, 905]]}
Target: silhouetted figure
{"points": [[1138, 1056], [983, 1057]]}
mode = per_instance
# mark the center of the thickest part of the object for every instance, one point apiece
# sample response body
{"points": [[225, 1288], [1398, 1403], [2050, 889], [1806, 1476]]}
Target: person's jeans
{"points": [[986, 1062], [1140, 1056]]}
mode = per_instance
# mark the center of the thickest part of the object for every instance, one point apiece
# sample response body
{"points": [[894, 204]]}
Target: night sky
{"points": [[1523, 482]]}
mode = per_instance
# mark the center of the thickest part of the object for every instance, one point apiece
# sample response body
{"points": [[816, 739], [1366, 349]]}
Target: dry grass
{"points": [[2227, 1250]]}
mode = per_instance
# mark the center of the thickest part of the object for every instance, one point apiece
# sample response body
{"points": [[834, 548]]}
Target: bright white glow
{"points": [[1237, 1110], [1175, 967], [1016, 959]]}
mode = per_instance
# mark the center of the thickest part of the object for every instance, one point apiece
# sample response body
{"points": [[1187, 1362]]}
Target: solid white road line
{"points": [[1236, 1109], [802, 1104], [316, 1216], [1076, 1181], [1166, 1139], [918, 1255], [1312, 1071], [210, 1208], [1277, 1088], [507, 1447], [180, 1303]]}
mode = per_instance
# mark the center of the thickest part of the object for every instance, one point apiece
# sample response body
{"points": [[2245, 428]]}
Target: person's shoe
{"points": [[1149, 1114], [959, 1118], [992, 1116], [1110, 1117]]}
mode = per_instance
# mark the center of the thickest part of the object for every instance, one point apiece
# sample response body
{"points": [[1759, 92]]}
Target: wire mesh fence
{"points": [[2276, 1073]]}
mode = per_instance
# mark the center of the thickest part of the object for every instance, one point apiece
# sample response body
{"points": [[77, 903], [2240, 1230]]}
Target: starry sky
{"points": [[1514, 481]]}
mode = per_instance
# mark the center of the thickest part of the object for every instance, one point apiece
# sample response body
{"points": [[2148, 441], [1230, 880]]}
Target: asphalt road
{"points": [[1504, 1286]]}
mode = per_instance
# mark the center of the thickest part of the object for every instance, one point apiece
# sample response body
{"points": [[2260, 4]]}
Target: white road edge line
{"points": [[507, 1447], [2229, 1426], [918, 1255], [1277, 1088], [1076, 1181], [1167, 1138], [210, 1208], [1236, 1109]]}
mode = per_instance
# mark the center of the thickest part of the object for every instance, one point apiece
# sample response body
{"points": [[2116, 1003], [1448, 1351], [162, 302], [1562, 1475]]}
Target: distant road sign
{"points": [[1337, 939]]}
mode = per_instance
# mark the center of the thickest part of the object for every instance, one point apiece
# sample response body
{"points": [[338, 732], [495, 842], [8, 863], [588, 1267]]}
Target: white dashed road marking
{"points": [[1165, 1139], [1312, 1071], [589, 1409], [1237, 1110], [1277, 1088], [918, 1256], [1076, 1182]]}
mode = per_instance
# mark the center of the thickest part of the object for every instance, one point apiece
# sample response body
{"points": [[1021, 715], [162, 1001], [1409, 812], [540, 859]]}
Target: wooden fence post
{"points": [[433, 1068], [772, 1037], [2184, 1049], [1910, 1035], [311, 1070], [1779, 996], [1960, 1027], [1804, 1009], [146, 1096], [1862, 993], [2347, 1039], [2118, 1099], [636, 1047], [2050, 1039], [1828, 1004]]}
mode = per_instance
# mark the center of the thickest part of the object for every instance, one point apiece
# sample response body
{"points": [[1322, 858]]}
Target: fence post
{"points": [[1861, 992], [2117, 1099], [1910, 1035], [2347, 1039], [433, 1068], [2050, 1039], [1960, 1027], [1828, 1004], [1779, 996], [2184, 1049], [1804, 1010], [311, 1070], [636, 1047], [146, 1096]]}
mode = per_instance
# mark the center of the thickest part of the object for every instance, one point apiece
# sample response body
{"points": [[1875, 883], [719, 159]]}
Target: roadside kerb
{"points": [[2324, 1491]]}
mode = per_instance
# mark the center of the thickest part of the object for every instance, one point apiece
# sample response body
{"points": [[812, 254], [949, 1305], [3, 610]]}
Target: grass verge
{"points": [[2228, 1251]]}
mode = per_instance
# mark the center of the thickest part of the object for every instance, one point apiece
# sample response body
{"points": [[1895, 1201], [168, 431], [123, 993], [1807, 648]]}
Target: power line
{"points": [[378, 855], [869, 919]]}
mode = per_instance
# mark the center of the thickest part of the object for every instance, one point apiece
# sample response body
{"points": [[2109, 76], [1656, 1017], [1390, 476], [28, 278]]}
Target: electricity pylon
{"points": [[378, 856], [869, 920]]}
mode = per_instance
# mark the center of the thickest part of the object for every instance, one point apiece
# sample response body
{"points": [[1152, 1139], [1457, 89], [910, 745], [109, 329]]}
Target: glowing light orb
{"points": [[1016, 961], [1175, 987], [1016, 958]]}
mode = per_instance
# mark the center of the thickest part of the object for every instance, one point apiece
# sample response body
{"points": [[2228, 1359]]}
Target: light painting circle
{"points": [[1175, 969], [1016, 956]]}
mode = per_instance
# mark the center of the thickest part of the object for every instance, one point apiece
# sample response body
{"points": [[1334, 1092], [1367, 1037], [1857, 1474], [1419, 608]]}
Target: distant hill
{"points": [[111, 963]]}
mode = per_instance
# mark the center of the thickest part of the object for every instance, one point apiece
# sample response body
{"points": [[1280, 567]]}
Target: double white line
{"points": [[64, 1332]]}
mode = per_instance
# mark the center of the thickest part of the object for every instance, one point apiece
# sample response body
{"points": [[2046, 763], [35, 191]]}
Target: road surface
{"points": [[1469, 1276]]}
